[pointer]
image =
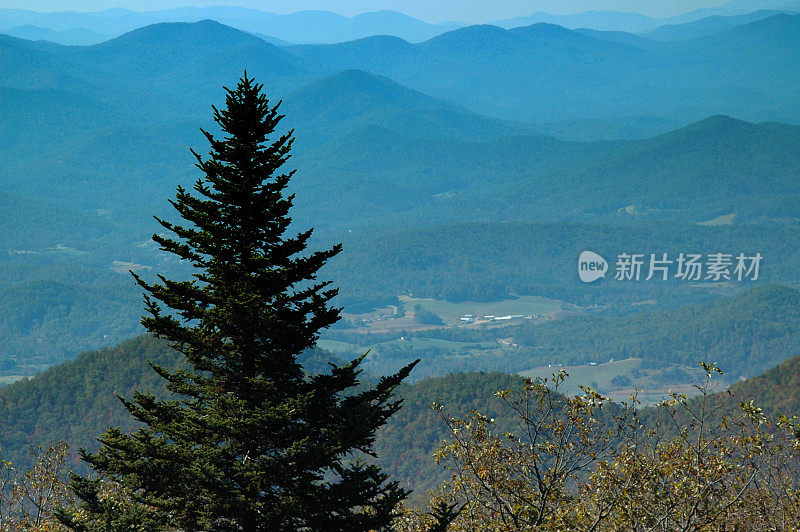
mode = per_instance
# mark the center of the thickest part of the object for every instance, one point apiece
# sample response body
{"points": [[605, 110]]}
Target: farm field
{"points": [[619, 379], [452, 312], [401, 317]]}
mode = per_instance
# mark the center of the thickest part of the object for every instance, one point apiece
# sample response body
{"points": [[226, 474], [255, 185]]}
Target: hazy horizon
{"points": [[468, 11]]}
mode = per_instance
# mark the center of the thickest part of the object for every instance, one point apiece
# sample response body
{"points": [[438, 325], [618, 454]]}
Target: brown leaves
{"points": [[29, 497]]}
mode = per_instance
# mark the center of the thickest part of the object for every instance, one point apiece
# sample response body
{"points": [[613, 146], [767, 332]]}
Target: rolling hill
{"points": [[494, 71], [718, 164], [777, 390], [746, 334], [596, 20], [493, 261], [354, 99], [705, 26], [300, 27], [69, 37], [76, 402], [577, 75]]}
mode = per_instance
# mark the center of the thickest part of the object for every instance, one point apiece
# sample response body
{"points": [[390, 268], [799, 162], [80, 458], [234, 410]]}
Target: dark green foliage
{"points": [[75, 401], [426, 317], [248, 441], [621, 380], [443, 514]]}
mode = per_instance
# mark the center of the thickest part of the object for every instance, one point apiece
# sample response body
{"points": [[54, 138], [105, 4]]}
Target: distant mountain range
{"points": [[69, 36], [124, 112], [545, 73], [551, 125], [596, 20], [637, 23], [300, 27], [324, 27]]}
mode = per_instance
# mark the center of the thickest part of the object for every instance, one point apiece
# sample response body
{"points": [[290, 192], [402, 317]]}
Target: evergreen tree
{"points": [[249, 441]]}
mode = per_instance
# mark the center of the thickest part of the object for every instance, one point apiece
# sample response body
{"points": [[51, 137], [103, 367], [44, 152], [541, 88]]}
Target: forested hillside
{"points": [[745, 335], [777, 390], [400, 236], [76, 402]]}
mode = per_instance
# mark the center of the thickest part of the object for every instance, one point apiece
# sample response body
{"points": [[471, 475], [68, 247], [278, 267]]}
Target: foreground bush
{"points": [[583, 463]]}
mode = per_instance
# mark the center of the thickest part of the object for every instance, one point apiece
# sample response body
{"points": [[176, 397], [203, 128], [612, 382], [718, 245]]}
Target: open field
{"points": [[725, 219], [619, 379], [452, 312], [400, 318]]}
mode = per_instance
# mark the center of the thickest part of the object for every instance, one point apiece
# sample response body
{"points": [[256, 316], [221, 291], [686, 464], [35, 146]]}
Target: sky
{"points": [[471, 11]]}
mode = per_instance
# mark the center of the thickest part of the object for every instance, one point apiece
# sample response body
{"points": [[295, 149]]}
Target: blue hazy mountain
{"points": [[721, 166], [705, 26], [327, 27], [621, 37], [159, 71], [537, 74], [545, 73], [130, 107], [624, 127], [747, 6], [354, 99], [596, 20], [300, 27], [699, 20], [758, 60], [733, 8], [492, 70], [71, 36], [112, 22]]}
